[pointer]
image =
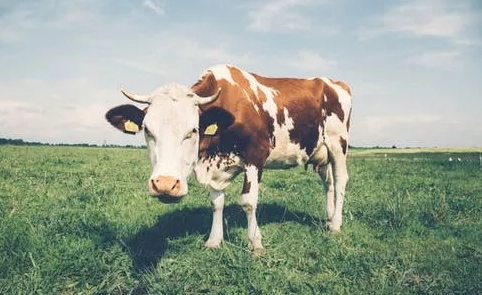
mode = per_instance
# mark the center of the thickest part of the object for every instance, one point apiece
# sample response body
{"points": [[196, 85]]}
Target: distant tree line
{"points": [[8, 141]]}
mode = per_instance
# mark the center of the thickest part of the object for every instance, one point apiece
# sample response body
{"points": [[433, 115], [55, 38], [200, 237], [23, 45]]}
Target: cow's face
{"points": [[171, 126]]}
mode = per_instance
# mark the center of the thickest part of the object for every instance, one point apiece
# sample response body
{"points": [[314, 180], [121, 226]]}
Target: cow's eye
{"points": [[191, 133]]}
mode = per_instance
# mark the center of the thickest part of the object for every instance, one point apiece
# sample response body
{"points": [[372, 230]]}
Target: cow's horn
{"points": [[137, 97], [208, 99]]}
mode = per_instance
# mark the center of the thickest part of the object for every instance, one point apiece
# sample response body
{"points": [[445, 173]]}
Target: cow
{"points": [[232, 121]]}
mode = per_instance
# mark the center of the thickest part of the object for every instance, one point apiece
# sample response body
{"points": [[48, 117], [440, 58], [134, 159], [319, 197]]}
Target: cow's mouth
{"points": [[167, 199]]}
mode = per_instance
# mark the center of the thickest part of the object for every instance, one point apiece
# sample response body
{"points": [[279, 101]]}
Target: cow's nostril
{"points": [[175, 184], [154, 184]]}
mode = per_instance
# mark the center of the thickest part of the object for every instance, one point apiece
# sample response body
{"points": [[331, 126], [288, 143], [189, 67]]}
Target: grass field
{"points": [[79, 221]]}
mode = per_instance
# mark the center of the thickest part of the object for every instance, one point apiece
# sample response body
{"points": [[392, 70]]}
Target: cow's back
{"points": [[278, 122]]}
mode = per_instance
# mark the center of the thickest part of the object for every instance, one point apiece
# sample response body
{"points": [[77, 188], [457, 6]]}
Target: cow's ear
{"points": [[214, 121], [127, 118]]}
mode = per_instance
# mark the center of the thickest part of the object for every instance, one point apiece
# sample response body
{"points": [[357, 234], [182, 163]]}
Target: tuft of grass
{"points": [[76, 220]]}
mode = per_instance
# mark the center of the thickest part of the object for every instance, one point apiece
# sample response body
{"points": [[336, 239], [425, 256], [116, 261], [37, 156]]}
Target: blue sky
{"points": [[415, 66]]}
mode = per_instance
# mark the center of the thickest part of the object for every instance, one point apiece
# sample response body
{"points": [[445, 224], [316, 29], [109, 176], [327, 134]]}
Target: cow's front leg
{"points": [[249, 202], [216, 235]]}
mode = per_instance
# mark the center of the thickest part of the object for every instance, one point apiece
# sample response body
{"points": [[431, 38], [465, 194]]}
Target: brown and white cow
{"points": [[232, 121]]}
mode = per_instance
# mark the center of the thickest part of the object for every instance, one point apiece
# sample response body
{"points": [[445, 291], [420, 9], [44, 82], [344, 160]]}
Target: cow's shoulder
{"points": [[237, 116]]}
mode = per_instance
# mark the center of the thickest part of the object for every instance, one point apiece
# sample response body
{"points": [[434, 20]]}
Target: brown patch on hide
{"points": [[343, 144], [246, 185]]}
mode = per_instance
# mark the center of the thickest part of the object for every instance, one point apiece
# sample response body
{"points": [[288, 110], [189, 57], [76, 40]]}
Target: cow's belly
{"points": [[285, 155], [218, 171]]}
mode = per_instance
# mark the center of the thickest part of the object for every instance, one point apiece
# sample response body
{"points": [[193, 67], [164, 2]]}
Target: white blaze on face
{"points": [[170, 127]]}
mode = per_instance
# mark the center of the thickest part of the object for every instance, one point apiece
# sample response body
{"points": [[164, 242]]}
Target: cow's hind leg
{"points": [[326, 175], [216, 235], [340, 177], [249, 202]]}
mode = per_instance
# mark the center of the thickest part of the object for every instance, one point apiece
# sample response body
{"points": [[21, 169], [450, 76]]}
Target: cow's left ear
{"points": [[215, 121], [127, 118]]}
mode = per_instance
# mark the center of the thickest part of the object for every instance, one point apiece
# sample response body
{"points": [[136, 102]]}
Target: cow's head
{"points": [[171, 126]]}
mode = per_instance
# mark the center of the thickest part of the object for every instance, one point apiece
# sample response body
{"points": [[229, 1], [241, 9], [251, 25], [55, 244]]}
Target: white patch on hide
{"points": [[251, 101], [220, 72], [285, 153], [334, 126], [218, 178]]}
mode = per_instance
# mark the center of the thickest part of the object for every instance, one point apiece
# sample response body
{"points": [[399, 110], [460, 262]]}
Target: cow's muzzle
{"points": [[167, 188]]}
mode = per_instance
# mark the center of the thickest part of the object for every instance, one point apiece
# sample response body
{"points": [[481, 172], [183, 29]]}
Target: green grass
{"points": [[79, 221]]}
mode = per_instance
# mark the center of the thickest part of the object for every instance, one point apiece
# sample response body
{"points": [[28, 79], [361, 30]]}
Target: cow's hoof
{"points": [[334, 229], [258, 252], [212, 244]]}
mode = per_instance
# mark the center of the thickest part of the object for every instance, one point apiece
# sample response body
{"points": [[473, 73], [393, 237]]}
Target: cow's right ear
{"points": [[127, 118]]}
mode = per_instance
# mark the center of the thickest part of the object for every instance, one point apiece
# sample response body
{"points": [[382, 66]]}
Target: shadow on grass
{"points": [[148, 246]]}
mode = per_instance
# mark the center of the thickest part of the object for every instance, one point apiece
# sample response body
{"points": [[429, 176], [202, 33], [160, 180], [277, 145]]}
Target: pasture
{"points": [[77, 220]]}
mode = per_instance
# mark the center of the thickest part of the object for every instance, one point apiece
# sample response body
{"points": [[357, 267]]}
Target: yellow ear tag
{"points": [[211, 129], [130, 126]]}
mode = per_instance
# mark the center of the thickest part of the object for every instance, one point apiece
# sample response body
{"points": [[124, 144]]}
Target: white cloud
{"points": [[308, 61], [416, 130], [68, 110], [219, 53], [58, 123], [17, 21], [379, 123], [140, 66], [14, 23], [438, 18], [439, 59], [13, 111], [370, 89], [469, 42], [155, 6], [278, 15]]}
